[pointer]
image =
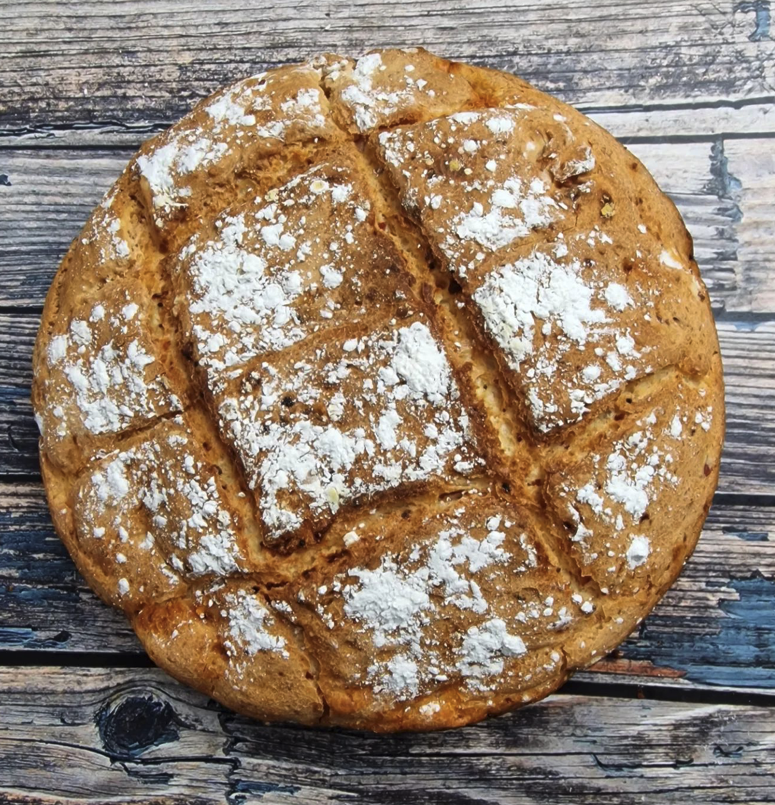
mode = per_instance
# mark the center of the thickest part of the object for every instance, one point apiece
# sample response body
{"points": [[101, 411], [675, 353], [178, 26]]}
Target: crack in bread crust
{"points": [[614, 447], [516, 447]]}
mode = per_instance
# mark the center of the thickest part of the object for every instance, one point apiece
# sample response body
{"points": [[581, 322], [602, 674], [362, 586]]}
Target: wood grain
{"points": [[713, 628], [749, 364], [44, 201], [748, 352], [144, 61], [747, 180], [88, 735], [724, 190]]}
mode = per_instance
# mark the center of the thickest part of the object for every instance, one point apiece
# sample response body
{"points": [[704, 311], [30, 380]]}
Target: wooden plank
{"points": [[18, 431], [720, 607], [748, 352], [749, 179], [102, 61], [631, 123], [44, 201], [45, 603], [48, 194], [17, 338], [725, 119], [18, 434], [713, 628], [749, 363], [93, 735]]}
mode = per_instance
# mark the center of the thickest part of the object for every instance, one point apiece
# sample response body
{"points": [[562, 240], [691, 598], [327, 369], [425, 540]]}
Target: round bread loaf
{"points": [[380, 393]]}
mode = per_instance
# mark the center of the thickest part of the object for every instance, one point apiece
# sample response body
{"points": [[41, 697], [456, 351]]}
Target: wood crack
{"points": [[691, 106]]}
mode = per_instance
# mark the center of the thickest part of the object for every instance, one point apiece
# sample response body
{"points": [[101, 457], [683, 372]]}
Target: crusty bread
{"points": [[381, 393]]}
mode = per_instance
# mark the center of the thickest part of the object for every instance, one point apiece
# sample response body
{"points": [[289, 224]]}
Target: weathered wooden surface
{"points": [[146, 61], [749, 362], [690, 88], [724, 189], [108, 734], [713, 628]]}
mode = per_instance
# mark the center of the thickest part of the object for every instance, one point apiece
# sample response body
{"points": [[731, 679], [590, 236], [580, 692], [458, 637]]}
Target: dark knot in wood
{"points": [[136, 723]]}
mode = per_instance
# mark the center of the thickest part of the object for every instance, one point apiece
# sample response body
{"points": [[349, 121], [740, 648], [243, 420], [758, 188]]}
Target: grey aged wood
{"points": [[748, 348], [146, 61], [108, 734], [703, 632], [690, 88]]}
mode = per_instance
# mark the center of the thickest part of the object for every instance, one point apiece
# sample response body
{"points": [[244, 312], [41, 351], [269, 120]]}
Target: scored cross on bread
{"points": [[566, 281], [382, 393]]}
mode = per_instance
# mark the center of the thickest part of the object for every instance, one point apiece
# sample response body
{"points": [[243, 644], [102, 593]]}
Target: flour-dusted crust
{"points": [[382, 393]]}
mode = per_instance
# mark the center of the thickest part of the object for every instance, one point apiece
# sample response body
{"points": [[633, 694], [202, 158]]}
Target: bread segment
{"points": [[575, 320], [152, 515], [387, 87], [221, 136], [226, 640], [629, 497], [419, 607], [100, 375], [337, 421], [301, 259], [484, 182]]}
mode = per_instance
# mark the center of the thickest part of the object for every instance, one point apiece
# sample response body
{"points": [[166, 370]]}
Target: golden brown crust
{"points": [[380, 393]]}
